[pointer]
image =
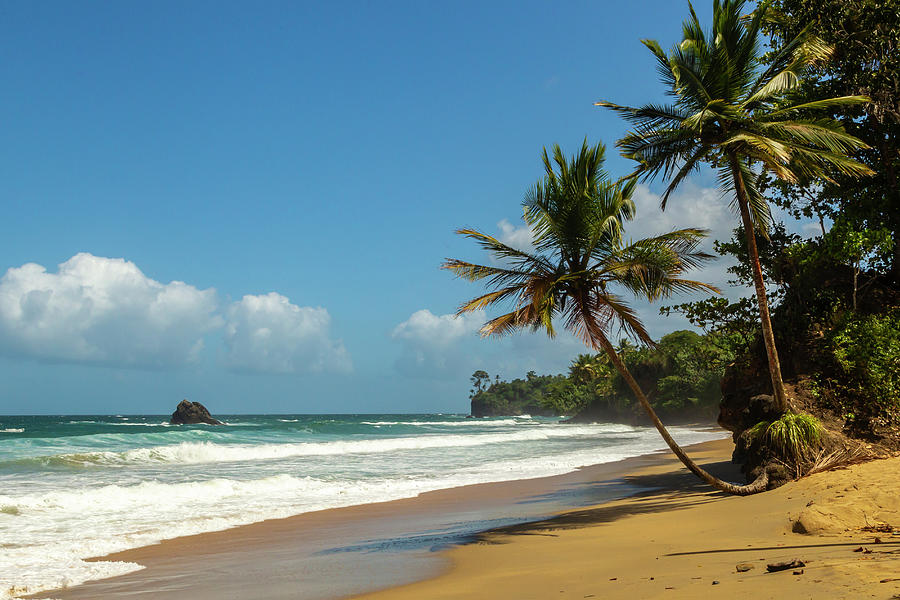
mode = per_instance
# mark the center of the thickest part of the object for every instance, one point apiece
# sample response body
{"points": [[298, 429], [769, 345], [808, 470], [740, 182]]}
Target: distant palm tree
{"points": [[588, 367], [576, 217], [733, 114]]}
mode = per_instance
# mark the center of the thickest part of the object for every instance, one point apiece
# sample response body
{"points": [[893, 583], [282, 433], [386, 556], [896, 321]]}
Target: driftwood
{"points": [[784, 566]]}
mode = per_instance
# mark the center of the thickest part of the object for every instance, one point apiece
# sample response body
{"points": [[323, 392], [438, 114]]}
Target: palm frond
{"points": [[818, 105], [579, 217], [663, 66], [653, 267], [491, 298], [649, 115], [825, 134], [690, 165], [626, 316], [475, 272], [502, 251], [510, 322]]}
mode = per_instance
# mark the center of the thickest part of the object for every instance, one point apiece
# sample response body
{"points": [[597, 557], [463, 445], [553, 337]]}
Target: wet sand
{"points": [[339, 552]]}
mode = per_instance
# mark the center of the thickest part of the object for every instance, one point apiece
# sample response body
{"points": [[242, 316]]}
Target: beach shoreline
{"points": [[382, 545], [643, 527]]}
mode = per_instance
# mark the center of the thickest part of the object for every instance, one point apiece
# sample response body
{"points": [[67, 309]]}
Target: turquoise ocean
{"points": [[77, 487]]}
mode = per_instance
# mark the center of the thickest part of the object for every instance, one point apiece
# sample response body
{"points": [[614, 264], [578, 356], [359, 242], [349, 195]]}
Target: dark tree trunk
{"points": [[760, 285]]}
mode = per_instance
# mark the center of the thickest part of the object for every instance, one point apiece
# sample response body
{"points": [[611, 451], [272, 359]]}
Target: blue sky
{"points": [[247, 204]]}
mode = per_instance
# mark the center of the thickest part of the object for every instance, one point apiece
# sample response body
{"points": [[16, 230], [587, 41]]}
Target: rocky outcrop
{"points": [[746, 396], [190, 413]]}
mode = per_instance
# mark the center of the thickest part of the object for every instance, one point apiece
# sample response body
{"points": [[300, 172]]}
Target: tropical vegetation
{"points": [[737, 115], [680, 376]]}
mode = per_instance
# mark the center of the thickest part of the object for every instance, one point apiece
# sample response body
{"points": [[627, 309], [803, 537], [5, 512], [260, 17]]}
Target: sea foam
{"points": [[211, 452]]}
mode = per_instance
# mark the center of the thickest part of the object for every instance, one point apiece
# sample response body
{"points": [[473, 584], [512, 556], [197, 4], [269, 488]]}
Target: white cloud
{"points": [[102, 311], [425, 326], [447, 346], [519, 238], [105, 311], [432, 343], [691, 206], [268, 334]]}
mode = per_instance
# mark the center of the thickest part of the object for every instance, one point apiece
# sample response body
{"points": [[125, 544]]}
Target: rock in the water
{"points": [[188, 413]]}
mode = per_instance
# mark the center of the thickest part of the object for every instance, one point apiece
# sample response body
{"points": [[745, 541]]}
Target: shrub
{"points": [[793, 435], [867, 350]]}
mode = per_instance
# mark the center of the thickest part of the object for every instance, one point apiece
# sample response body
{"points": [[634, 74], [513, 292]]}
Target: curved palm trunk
{"points": [[759, 284], [759, 485]]}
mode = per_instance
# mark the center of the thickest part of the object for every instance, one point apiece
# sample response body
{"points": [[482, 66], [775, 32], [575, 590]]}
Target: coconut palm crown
{"points": [[580, 257], [735, 114], [577, 220]]}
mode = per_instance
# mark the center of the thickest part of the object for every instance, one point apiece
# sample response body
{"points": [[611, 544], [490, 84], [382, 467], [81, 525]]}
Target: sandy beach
{"points": [[686, 542]]}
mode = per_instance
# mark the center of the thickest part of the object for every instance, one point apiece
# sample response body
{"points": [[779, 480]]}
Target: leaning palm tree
{"points": [[576, 217], [736, 115]]}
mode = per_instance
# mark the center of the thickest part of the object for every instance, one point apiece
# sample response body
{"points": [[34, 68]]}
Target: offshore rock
{"points": [[189, 413]]}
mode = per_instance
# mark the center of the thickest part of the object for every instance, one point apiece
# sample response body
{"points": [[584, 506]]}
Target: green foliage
{"points": [[730, 327], [480, 380], [865, 38], [859, 248], [568, 398], [758, 430], [793, 435], [777, 265], [681, 375], [519, 396], [867, 350]]}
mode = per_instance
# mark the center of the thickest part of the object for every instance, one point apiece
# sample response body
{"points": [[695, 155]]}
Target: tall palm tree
{"points": [[736, 115], [576, 217]]}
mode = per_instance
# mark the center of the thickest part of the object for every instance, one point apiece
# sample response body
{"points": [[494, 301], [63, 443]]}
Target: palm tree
{"points": [[576, 217], [587, 367], [733, 114]]}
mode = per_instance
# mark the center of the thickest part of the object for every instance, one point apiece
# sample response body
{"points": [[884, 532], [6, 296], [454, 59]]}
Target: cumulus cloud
{"points": [[102, 311], [268, 334], [691, 206], [447, 346], [519, 237], [431, 343], [105, 311]]}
